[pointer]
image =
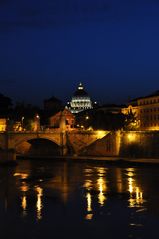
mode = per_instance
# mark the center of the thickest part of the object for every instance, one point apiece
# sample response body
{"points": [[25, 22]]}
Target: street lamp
{"points": [[22, 122], [37, 118]]}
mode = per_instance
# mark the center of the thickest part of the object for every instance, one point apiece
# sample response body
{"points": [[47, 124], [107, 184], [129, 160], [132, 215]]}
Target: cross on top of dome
{"points": [[80, 87], [80, 91]]}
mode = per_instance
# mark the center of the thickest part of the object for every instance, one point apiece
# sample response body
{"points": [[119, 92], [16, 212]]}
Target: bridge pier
{"points": [[7, 155], [63, 147]]}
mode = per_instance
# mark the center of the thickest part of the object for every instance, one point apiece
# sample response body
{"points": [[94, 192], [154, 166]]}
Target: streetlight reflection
{"points": [[136, 194], [24, 188], [24, 205], [39, 204], [95, 185], [89, 215], [102, 188], [101, 185]]}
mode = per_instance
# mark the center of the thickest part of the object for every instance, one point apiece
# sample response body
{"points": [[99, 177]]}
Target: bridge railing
{"points": [[49, 130]]}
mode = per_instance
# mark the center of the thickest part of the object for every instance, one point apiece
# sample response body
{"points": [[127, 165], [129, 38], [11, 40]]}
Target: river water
{"points": [[47, 199]]}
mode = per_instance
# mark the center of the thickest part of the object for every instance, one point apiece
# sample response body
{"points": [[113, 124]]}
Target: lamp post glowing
{"points": [[22, 122], [37, 123]]}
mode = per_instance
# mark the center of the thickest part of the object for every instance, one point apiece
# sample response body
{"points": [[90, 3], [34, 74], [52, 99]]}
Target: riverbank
{"points": [[110, 160]]}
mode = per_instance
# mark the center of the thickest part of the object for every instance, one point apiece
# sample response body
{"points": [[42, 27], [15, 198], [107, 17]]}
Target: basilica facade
{"points": [[80, 100]]}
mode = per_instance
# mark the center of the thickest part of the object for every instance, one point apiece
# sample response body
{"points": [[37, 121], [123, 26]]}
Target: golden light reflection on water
{"points": [[88, 184], [101, 171], [89, 206], [88, 170], [100, 183], [24, 205], [130, 174], [24, 188], [89, 216], [139, 196], [130, 185], [22, 175], [102, 188], [99, 186], [39, 204], [89, 202], [136, 194]]}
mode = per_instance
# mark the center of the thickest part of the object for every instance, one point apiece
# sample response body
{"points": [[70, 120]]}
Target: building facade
{"points": [[146, 110], [80, 101], [55, 120], [3, 124]]}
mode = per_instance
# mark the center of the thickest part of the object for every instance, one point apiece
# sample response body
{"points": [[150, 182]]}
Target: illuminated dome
{"points": [[80, 91], [80, 100]]}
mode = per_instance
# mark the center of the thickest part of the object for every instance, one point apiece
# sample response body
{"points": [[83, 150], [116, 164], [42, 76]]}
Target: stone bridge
{"points": [[81, 142], [67, 142]]}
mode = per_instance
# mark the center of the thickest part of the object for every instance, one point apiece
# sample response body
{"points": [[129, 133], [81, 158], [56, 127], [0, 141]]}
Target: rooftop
{"points": [[156, 93], [80, 91]]}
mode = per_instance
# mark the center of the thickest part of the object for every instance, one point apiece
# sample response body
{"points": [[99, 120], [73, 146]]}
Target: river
{"points": [[52, 199]]}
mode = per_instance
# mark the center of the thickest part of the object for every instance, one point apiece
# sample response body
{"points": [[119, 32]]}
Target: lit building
{"points": [[54, 121], [3, 124], [80, 101], [146, 110]]}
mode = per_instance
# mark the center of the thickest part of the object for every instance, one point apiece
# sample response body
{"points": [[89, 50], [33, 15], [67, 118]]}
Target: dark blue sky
{"points": [[48, 46]]}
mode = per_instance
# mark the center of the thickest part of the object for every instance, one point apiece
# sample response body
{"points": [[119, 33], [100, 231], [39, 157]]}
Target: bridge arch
{"points": [[37, 146], [27, 138]]}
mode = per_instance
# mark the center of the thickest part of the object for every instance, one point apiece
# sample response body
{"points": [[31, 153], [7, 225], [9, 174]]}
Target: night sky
{"points": [[48, 46]]}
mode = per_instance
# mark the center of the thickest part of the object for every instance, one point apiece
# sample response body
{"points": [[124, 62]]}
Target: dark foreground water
{"points": [[78, 200]]}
